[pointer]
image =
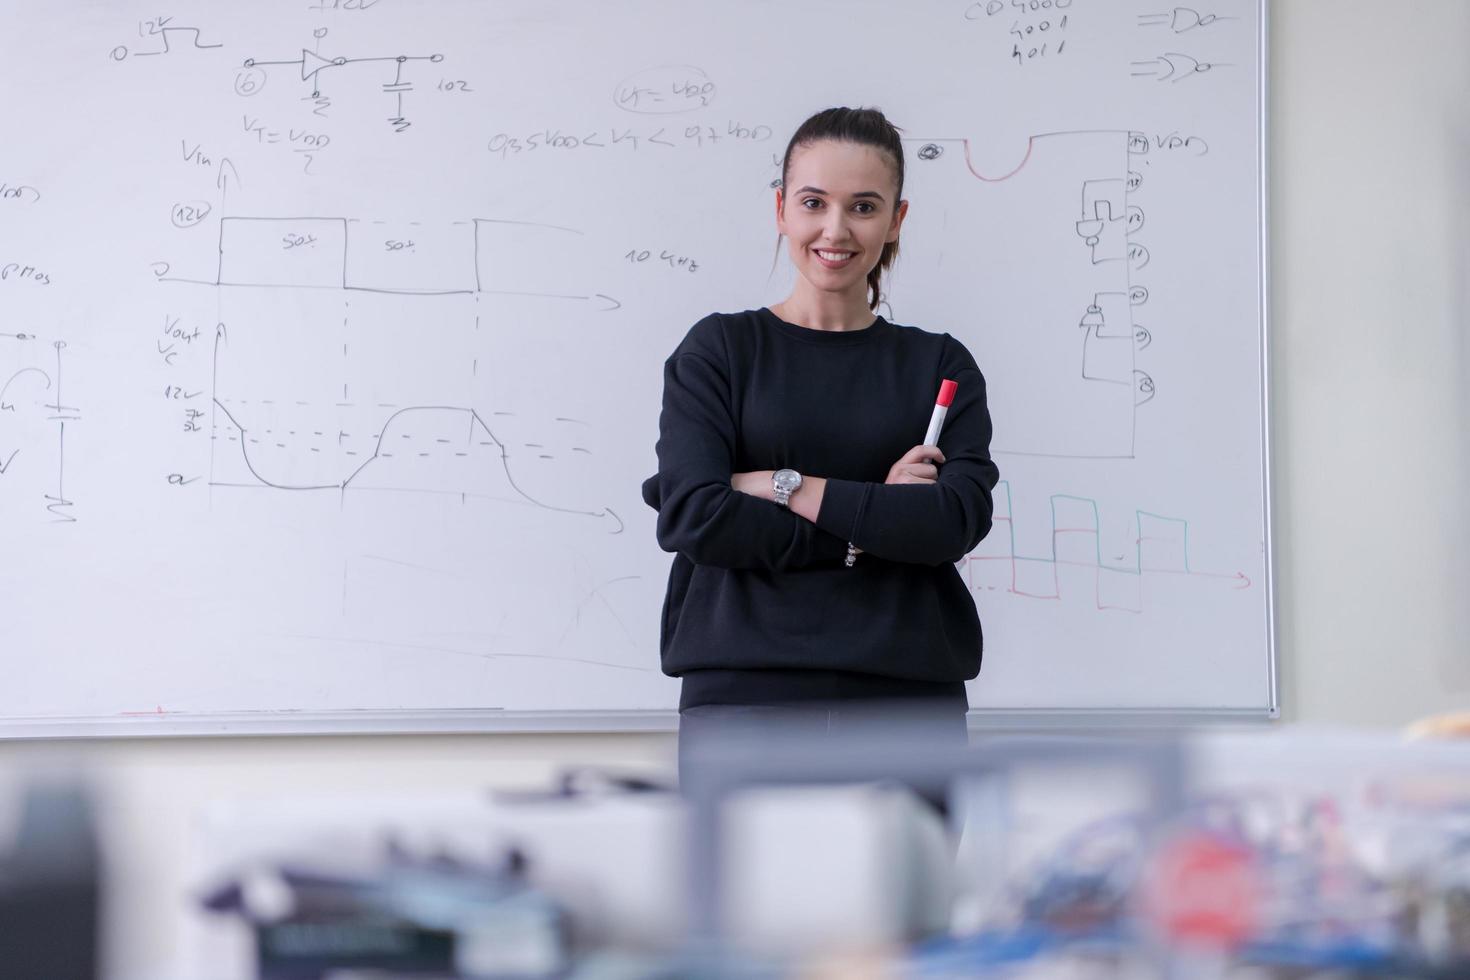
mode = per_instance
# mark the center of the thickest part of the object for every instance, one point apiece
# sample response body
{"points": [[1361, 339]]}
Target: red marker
{"points": [[941, 408]]}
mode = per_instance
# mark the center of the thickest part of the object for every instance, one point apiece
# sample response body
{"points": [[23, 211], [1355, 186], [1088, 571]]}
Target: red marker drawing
{"points": [[941, 408]]}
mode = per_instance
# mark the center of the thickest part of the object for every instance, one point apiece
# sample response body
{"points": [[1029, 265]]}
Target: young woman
{"points": [[814, 544]]}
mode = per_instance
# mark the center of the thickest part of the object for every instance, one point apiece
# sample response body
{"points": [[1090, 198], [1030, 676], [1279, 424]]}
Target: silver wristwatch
{"points": [[785, 483]]}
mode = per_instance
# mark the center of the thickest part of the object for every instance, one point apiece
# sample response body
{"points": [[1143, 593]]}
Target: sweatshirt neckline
{"points": [[838, 338]]}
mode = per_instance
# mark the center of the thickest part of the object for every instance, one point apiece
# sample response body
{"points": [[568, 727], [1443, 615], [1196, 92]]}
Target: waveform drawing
{"points": [[407, 257], [1066, 378], [165, 35], [352, 356], [283, 252], [525, 259], [484, 257], [1082, 560]]}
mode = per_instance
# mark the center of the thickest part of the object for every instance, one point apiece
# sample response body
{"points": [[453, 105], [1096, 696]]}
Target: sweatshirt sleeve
{"points": [[927, 524], [699, 514]]}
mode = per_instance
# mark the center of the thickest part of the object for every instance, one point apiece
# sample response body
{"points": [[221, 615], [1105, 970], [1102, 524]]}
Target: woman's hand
{"points": [[918, 465]]}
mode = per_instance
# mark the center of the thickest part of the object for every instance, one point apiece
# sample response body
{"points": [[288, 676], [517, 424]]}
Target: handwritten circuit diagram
{"points": [[311, 65], [36, 409], [1074, 344]]}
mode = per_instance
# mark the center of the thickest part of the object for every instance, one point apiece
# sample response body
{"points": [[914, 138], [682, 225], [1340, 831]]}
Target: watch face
{"points": [[787, 480]]}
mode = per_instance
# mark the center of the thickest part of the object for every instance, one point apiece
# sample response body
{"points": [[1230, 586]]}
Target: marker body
{"points": [[936, 422], [941, 408]]}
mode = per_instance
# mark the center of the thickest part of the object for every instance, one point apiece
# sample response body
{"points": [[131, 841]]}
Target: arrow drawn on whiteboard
{"points": [[608, 309], [223, 180]]}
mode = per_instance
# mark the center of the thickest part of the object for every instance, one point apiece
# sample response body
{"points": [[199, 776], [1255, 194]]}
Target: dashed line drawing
{"points": [[477, 434], [1171, 66], [312, 63], [1154, 544], [1072, 385]]}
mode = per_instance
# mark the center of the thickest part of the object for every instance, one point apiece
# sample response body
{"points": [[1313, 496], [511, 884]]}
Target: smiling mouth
{"points": [[833, 258]]}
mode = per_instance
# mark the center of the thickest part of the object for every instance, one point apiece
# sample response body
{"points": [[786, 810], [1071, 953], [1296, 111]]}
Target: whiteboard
{"points": [[331, 336]]}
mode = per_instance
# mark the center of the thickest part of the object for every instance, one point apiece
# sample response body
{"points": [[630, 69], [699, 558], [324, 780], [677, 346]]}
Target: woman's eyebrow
{"points": [[817, 190]]}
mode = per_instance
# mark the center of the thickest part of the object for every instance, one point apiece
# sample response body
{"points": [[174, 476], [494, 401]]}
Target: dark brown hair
{"points": [[865, 127]]}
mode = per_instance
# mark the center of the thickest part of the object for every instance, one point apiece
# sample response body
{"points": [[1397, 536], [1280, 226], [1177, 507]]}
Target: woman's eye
{"points": [[811, 203], [863, 207]]}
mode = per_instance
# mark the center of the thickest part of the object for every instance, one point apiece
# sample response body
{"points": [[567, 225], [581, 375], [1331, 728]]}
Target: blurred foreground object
{"points": [[833, 867], [411, 917], [1455, 725], [1290, 855], [49, 889], [816, 852]]}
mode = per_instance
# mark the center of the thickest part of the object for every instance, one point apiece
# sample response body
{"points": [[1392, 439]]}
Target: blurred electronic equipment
{"points": [[408, 917]]}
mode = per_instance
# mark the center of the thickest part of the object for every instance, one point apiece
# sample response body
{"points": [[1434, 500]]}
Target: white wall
{"points": [[1370, 188], [1370, 181]]}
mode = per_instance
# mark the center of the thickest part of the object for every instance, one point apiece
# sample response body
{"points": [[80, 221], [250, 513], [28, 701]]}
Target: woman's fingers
{"points": [[914, 473], [923, 454], [918, 465]]}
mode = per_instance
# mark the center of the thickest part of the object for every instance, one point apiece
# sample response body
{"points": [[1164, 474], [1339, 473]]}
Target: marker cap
{"points": [[946, 392]]}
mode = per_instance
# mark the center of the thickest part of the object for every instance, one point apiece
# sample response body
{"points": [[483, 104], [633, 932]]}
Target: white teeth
{"points": [[834, 256]]}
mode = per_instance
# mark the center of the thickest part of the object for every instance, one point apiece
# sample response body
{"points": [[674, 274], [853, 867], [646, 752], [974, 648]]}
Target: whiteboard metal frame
{"points": [[1263, 110], [476, 721]]}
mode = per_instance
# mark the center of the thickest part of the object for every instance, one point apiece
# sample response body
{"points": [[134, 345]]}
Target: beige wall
{"points": [[1370, 231], [1370, 184]]}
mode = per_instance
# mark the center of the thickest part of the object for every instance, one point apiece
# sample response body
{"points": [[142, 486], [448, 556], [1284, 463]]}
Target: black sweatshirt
{"points": [[760, 608]]}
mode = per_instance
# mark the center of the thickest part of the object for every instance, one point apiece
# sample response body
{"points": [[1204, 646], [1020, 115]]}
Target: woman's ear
{"points": [[780, 210], [899, 213]]}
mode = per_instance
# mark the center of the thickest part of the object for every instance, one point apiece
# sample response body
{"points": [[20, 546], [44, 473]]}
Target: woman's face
{"points": [[837, 208]]}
